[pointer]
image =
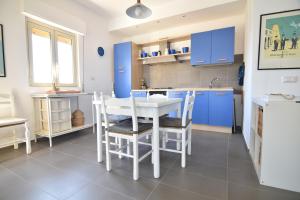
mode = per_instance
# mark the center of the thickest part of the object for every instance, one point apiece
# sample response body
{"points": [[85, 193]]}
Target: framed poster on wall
{"points": [[279, 45], [2, 60]]}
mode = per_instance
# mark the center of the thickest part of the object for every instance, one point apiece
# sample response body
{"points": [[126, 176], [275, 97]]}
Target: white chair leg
{"points": [[27, 137], [190, 141], [128, 147], [183, 149], [107, 147], [16, 145], [99, 141], [147, 137], [135, 158], [164, 139], [167, 137], [50, 141], [178, 142], [35, 138], [120, 145]]}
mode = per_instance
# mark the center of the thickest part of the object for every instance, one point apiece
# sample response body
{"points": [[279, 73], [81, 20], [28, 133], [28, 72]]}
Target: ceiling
{"points": [[165, 14], [117, 8]]}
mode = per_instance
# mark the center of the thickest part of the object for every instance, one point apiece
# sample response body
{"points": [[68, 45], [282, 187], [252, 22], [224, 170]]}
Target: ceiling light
{"points": [[138, 11]]}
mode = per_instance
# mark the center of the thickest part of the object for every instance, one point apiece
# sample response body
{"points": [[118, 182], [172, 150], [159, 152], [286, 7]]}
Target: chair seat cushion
{"points": [[170, 122], [125, 127], [115, 118], [11, 121]]}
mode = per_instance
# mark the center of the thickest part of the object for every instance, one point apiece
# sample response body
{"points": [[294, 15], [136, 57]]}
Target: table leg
{"points": [[155, 145]]}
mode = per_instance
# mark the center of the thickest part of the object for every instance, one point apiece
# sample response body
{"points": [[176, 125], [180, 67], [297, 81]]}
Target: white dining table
{"points": [[153, 108]]}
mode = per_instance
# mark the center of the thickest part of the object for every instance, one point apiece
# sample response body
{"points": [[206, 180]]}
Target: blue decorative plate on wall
{"points": [[100, 51]]}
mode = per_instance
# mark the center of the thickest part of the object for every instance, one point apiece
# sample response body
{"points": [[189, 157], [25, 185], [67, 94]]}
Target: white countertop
{"points": [[264, 100], [44, 95], [186, 89]]}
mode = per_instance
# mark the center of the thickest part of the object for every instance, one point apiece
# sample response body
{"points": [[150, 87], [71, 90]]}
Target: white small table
{"points": [[153, 108], [56, 120]]}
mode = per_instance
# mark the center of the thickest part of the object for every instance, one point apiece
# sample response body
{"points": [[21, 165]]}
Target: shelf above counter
{"points": [[165, 58]]}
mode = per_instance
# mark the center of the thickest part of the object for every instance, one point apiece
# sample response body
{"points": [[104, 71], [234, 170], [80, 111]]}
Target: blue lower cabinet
{"points": [[221, 108], [139, 93], [200, 110], [177, 94]]}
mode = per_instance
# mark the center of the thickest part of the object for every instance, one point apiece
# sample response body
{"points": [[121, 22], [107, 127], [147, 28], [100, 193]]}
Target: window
{"points": [[52, 55]]}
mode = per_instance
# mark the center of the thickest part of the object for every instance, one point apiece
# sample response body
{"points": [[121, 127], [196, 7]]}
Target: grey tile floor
{"points": [[219, 168]]}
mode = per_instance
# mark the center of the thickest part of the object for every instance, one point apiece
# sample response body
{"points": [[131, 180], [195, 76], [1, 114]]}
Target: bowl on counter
{"points": [[185, 49]]}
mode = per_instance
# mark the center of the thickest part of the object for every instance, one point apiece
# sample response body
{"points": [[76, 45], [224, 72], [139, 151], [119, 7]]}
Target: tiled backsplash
{"points": [[180, 75]]}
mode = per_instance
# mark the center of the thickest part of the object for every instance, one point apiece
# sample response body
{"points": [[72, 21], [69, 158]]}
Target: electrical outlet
{"points": [[289, 79]]}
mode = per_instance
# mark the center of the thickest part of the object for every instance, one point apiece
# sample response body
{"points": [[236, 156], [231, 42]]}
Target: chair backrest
{"points": [[7, 108], [120, 106], [188, 107]]}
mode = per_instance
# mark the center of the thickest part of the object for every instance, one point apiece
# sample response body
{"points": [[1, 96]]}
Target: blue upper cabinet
{"points": [[201, 48], [213, 47], [180, 95], [200, 110], [122, 69], [221, 108], [222, 45]]}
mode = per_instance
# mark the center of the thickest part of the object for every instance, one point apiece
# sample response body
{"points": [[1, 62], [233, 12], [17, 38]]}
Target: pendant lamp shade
{"points": [[138, 11]]}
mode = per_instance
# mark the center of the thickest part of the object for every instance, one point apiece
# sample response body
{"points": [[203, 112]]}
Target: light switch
{"points": [[289, 79]]}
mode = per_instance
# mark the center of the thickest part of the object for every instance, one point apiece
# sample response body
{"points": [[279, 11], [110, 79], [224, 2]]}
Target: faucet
{"points": [[212, 82]]}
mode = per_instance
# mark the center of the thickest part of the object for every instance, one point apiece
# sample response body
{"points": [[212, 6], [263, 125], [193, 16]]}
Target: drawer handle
{"points": [[200, 61], [220, 93], [222, 59], [121, 71]]}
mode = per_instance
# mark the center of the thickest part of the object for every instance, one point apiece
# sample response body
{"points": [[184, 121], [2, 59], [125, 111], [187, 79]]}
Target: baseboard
{"points": [[220, 129]]}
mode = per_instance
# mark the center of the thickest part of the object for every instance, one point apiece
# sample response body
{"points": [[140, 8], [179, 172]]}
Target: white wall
{"points": [[237, 21], [97, 70], [258, 83]]}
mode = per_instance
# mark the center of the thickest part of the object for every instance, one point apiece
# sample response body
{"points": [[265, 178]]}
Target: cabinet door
{"points": [[220, 108], [222, 46], [201, 48], [180, 95], [122, 69], [200, 110], [139, 94]]}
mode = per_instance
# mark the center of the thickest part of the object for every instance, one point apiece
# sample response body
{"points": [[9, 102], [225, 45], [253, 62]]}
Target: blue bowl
{"points": [[154, 53], [144, 55], [172, 51], [185, 49]]}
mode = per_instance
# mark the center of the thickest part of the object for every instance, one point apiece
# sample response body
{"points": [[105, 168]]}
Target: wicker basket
{"points": [[77, 118]]}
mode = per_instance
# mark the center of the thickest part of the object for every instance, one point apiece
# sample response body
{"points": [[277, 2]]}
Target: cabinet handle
{"points": [[220, 93], [121, 71], [200, 61], [199, 93], [222, 59]]}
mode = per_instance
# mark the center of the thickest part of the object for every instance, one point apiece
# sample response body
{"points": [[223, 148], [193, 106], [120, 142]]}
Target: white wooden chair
{"points": [[8, 119], [181, 126], [113, 119], [130, 130]]}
